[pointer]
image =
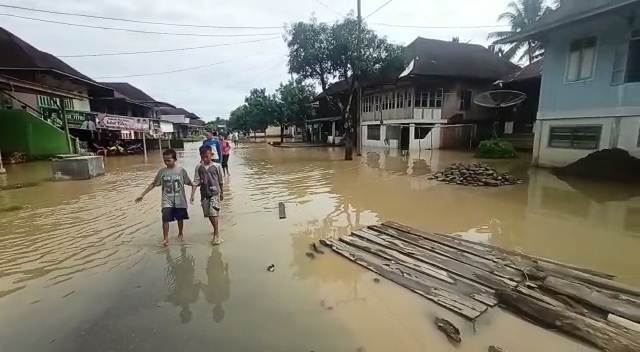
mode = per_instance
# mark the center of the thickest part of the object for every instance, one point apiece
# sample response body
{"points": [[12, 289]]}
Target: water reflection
{"points": [[182, 286], [217, 290]]}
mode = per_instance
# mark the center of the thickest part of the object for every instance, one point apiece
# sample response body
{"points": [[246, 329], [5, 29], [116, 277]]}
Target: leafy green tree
{"points": [[520, 15], [239, 118], [328, 53], [294, 103], [262, 109]]}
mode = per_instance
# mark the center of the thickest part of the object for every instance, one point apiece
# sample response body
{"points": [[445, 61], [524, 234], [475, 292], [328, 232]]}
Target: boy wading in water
{"points": [[208, 176], [172, 179]]}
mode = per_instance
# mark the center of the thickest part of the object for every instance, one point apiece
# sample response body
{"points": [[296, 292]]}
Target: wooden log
{"points": [[464, 286], [610, 285], [434, 290], [453, 253], [611, 303], [452, 266], [281, 211], [600, 334], [623, 322], [489, 249]]}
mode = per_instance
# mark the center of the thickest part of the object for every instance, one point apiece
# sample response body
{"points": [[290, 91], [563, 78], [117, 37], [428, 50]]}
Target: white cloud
{"points": [[216, 90]]}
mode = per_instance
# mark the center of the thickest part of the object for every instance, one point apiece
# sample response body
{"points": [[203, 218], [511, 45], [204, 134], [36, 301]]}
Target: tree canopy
{"points": [[327, 53], [520, 15]]}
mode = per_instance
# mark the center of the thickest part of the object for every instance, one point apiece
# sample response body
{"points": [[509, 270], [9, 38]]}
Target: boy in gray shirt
{"points": [[172, 179], [208, 176]]}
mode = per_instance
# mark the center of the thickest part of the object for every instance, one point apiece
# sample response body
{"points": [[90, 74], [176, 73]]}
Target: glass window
{"points": [[439, 98], [582, 59], [465, 100], [392, 99], [633, 58], [575, 137], [424, 99]]}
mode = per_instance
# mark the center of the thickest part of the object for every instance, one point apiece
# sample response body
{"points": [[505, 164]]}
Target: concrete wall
{"points": [[25, 133], [617, 132], [431, 141]]}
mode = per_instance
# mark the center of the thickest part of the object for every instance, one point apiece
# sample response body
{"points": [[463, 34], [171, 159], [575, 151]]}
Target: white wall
{"points": [[626, 134], [431, 141]]}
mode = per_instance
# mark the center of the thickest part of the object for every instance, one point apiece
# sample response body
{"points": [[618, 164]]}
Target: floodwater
{"points": [[79, 269]]}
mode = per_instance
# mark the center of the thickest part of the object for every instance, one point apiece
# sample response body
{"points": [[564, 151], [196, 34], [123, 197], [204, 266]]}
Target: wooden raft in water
{"points": [[469, 278]]}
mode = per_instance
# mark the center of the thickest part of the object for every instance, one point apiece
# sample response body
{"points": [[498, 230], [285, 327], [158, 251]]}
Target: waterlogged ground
{"points": [[79, 270]]}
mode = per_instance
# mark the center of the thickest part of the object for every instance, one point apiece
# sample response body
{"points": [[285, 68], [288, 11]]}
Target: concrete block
{"points": [[78, 168]]}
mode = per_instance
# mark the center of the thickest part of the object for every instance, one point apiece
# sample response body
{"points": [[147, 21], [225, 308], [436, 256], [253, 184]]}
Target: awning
{"points": [[324, 119], [10, 84]]}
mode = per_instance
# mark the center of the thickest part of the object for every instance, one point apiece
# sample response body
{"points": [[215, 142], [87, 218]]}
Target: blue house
{"points": [[590, 91]]}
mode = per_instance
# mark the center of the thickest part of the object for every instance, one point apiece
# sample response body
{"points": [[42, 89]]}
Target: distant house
{"points": [[184, 122], [519, 121], [590, 93], [436, 90], [22, 61], [125, 102]]}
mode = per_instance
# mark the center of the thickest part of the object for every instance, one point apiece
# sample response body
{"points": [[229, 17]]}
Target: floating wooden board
{"points": [[434, 290], [455, 254], [460, 269], [463, 286], [281, 211]]}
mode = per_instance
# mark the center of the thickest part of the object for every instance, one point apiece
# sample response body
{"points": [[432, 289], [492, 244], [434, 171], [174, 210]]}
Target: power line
{"points": [[165, 50], [378, 9], [179, 70], [328, 8], [436, 27], [137, 21], [140, 31]]}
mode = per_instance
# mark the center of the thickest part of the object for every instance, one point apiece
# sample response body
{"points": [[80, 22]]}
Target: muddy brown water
{"points": [[79, 270]]}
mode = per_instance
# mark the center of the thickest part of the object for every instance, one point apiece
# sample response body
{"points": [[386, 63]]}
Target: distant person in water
{"points": [[234, 138], [212, 140], [226, 151], [172, 179]]}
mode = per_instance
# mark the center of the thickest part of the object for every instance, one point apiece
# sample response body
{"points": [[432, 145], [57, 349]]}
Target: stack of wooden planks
{"points": [[468, 278]]}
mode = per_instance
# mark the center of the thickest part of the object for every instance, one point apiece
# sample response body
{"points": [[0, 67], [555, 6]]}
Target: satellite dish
{"points": [[499, 98]]}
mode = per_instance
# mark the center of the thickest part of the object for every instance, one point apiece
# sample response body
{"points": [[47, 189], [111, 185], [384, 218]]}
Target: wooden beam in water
{"points": [[598, 333], [619, 305], [281, 211], [434, 290], [460, 269], [464, 286], [481, 263]]}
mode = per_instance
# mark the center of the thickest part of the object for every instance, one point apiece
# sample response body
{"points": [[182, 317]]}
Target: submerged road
{"points": [[79, 269]]}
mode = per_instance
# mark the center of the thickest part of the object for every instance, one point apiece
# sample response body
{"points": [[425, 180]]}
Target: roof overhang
{"points": [[542, 28], [11, 84], [82, 80], [126, 100]]}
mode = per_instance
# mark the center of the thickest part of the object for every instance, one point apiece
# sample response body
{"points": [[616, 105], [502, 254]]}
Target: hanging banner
{"points": [[123, 123], [166, 127]]}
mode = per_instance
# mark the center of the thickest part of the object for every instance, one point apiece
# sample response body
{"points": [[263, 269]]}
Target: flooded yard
{"points": [[79, 269]]}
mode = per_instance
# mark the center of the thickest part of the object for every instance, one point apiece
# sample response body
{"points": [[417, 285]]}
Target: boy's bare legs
{"points": [[165, 234], [216, 235], [180, 227]]}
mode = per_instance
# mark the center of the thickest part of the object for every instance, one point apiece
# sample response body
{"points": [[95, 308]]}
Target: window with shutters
{"points": [[373, 132], [575, 137], [582, 59], [632, 74]]}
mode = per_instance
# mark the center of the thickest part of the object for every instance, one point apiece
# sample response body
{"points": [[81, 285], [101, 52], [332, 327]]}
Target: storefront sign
{"points": [[123, 123], [166, 127], [74, 118]]}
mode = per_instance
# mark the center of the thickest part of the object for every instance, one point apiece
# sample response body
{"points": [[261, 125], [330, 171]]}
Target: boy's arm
{"points": [[157, 181], [194, 186], [220, 181]]}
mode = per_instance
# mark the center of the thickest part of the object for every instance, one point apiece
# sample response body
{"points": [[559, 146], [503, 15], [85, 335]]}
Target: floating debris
{"points": [[310, 255], [316, 249], [447, 328], [376, 280], [475, 174], [271, 268], [495, 349]]}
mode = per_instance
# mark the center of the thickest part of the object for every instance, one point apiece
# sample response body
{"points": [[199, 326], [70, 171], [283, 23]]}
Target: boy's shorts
{"points": [[211, 206], [172, 214]]}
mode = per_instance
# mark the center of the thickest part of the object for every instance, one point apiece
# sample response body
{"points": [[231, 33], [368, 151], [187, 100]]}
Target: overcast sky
{"points": [[215, 90]]}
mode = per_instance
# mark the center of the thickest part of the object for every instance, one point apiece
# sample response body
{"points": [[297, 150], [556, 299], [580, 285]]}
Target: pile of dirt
{"points": [[474, 174], [607, 164]]}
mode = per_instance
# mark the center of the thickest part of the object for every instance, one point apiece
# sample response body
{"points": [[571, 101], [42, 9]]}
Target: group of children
{"points": [[208, 176]]}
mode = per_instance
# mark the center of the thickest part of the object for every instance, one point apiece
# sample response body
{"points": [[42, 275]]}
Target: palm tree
{"points": [[521, 14]]}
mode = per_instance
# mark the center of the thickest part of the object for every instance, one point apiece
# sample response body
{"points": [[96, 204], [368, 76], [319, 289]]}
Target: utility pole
{"points": [[357, 129]]}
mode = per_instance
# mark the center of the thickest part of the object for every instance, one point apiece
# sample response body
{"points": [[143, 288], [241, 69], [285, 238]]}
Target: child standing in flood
{"points": [[208, 176], [172, 178]]}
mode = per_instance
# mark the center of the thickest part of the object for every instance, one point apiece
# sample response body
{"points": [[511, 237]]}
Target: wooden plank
{"points": [[625, 307], [281, 211], [453, 253], [610, 285], [598, 333], [434, 290], [464, 286], [463, 270]]}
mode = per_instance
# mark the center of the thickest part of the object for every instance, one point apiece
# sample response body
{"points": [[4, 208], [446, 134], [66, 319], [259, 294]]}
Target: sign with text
{"points": [[123, 123]]}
